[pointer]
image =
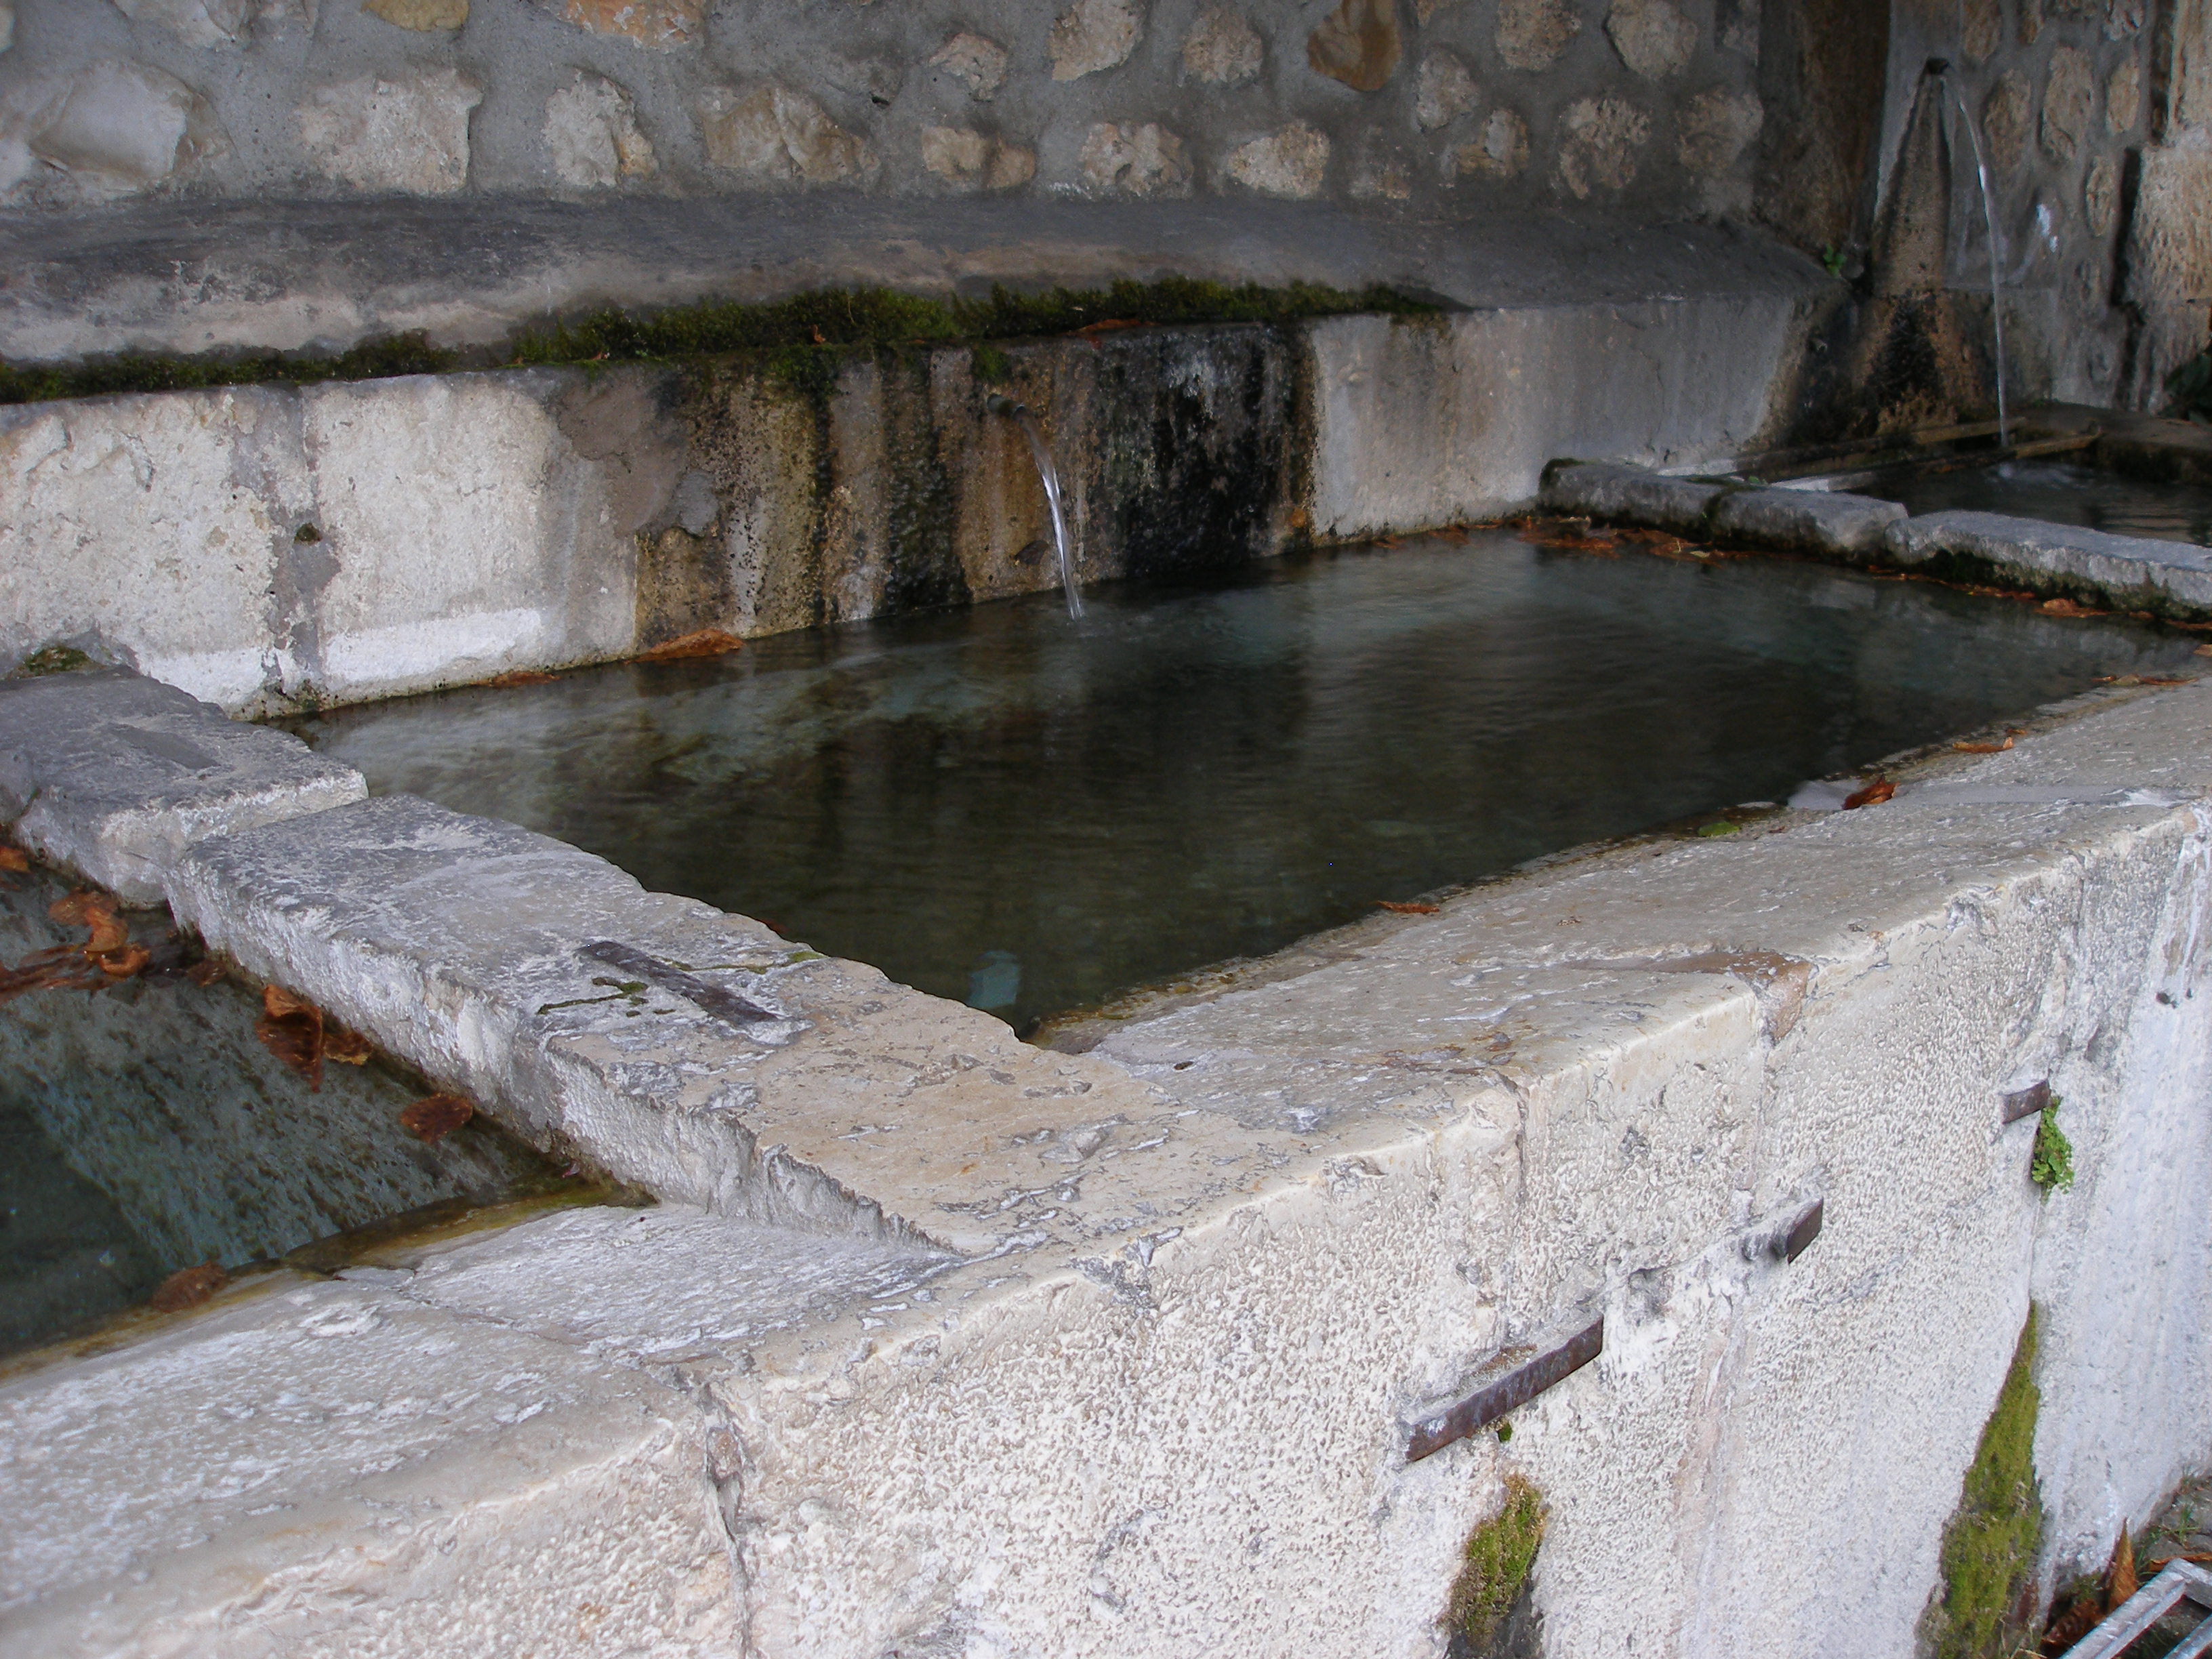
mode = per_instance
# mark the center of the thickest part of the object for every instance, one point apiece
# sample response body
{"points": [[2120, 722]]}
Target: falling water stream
{"points": [[1049, 474], [1941, 69]]}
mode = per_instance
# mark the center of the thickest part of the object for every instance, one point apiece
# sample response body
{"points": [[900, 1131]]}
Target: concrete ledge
{"points": [[113, 776], [2171, 578], [1806, 520], [1602, 490]]}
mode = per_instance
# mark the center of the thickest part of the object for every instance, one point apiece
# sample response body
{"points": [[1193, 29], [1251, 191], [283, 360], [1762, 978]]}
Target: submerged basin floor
{"points": [[2060, 492], [1032, 815]]}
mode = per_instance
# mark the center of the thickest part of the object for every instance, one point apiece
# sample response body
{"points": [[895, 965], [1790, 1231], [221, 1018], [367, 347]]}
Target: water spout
{"points": [[1049, 475], [1942, 70]]}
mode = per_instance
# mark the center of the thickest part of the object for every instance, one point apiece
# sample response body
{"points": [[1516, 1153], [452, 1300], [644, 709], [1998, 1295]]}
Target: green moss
{"points": [[1498, 1556], [401, 354], [1990, 1544], [53, 659], [993, 366], [2051, 1167]]}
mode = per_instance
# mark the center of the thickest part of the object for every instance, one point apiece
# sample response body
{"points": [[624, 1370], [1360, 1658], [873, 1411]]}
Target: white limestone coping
{"points": [[1150, 1397], [2124, 570]]}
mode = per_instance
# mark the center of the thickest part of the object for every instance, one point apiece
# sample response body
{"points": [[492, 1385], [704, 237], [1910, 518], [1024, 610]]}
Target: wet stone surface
{"points": [[1005, 809]]}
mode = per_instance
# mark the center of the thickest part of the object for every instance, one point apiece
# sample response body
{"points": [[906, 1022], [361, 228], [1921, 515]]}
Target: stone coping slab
{"points": [[112, 775], [325, 275], [1603, 490], [1831, 523], [2130, 571]]}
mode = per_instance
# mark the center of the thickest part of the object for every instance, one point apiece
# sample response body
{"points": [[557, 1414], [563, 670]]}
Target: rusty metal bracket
{"points": [[1798, 1238], [2024, 1103], [726, 1006], [1525, 1375]]}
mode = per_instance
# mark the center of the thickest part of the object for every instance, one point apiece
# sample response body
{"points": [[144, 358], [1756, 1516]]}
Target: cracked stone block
{"points": [[2123, 97], [1223, 49], [408, 134], [1290, 163], [122, 127], [975, 161], [1532, 33], [1092, 35], [1717, 128], [2128, 572], [2170, 233], [424, 16], [2006, 120], [1981, 30], [1358, 43], [1806, 521], [1629, 495], [1133, 159], [775, 135], [1499, 151], [1599, 145], [196, 23], [976, 62], [113, 776], [1443, 89], [1653, 37], [663, 25], [592, 135], [2069, 102]]}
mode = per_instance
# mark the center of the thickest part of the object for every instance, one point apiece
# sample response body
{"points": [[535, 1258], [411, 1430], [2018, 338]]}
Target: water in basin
{"points": [[1006, 807], [2062, 492]]}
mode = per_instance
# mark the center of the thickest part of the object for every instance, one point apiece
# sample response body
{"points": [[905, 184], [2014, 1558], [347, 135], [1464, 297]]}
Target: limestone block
{"points": [[1092, 35], [1982, 30], [592, 135], [1443, 89], [2170, 234], [2123, 19], [197, 22], [1532, 33], [1806, 521], [424, 16], [1599, 147], [2123, 97], [112, 775], [1358, 43], [2186, 47], [2006, 119], [1222, 49], [1292, 162], [1601, 489], [2100, 196], [972, 159], [408, 133], [1500, 150], [122, 127], [975, 62], [775, 135], [1133, 159], [2070, 101], [1654, 38], [662, 25], [1717, 126], [2129, 572]]}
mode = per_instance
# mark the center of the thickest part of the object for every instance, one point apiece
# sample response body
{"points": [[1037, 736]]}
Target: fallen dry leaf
{"points": [[702, 642], [204, 972], [15, 858], [2080, 1618], [1454, 534], [291, 1028], [346, 1048], [1983, 748], [521, 677], [1569, 535], [124, 962], [1407, 907], [187, 1287], [2120, 1571], [434, 1117], [2068, 608], [1108, 324], [1873, 795], [2201, 651]]}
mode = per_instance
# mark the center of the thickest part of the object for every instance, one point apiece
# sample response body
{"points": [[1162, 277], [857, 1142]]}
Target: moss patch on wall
{"points": [[98, 377], [1990, 1544], [1497, 1560], [2051, 1165]]}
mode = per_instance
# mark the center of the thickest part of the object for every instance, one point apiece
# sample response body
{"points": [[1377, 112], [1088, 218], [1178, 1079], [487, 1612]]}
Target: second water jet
{"points": [[1049, 475]]}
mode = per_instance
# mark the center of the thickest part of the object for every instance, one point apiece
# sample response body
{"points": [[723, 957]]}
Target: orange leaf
{"points": [[2067, 608], [121, 964], [291, 1028], [522, 677], [703, 642], [278, 1003], [434, 1117], [205, 971], [187, 1287], [1873, 795], [346, 1048], [1407, 909], [15, 858], [2120, 1571], [1104, 325], [1983, 748]]}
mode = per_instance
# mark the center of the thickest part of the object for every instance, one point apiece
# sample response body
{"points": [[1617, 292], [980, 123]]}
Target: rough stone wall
{"points": [[1647, 102]]}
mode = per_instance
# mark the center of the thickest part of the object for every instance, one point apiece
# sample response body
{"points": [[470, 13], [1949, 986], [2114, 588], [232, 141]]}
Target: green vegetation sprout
{"points": [[2051, 1168], [1499, 1554], [1990, 1544]]}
